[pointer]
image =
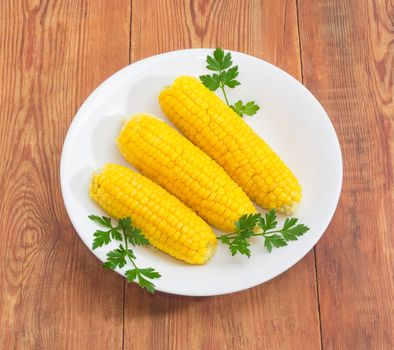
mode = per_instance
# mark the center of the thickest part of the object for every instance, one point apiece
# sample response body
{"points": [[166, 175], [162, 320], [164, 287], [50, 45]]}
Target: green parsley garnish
{"points": [[126, 232], [221, 63], [253, 225]]}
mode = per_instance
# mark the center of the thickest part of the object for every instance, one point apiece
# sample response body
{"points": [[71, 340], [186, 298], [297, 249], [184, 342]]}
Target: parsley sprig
{"points": [[253, 225], [226, 76], [124, 231]]}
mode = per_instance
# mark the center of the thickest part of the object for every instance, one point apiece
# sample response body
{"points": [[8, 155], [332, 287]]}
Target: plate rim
{"points": [[197, 51]]}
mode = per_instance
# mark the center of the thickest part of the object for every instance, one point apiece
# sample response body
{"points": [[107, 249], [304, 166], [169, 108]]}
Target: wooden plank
{"points": [[347, 54], [161, 26], [265, 29], [281, 314], [53, 292]]}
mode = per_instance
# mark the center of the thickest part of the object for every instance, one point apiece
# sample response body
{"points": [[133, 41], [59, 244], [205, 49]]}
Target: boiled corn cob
{"points": [[165, 156], [166, 222], [214, 127]]}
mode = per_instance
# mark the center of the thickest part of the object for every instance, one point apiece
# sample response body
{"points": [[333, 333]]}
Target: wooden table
{"points": [[54, 293]]}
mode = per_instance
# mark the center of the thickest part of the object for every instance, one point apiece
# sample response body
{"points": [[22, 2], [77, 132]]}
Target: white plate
{"points": [[291, 120]]}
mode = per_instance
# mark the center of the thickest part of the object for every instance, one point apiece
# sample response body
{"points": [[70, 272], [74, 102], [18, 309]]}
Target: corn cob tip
{"points": [[136, 117], [288, 209]]}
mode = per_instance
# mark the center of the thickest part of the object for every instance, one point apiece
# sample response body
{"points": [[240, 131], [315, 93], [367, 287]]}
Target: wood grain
{"points": [[275, 314], [348, 63], [53, 292]]}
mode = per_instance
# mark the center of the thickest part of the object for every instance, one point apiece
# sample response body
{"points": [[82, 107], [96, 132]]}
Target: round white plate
{"points": [[291, 120]]}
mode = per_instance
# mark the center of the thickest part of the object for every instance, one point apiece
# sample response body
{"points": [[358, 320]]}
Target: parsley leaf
{"points": [[124, 223], [136, 237], [240, 244], [250, 108], [219, 61], [212, 82], [131, 275], [252, 225], [101, 220], [269, 221], [117, 258], [104, 237], [247, 221], [291, 231], [115, 234], [150, 273], [101, 238], [133, 234], [246, 224], [274, 240], [226, 77], [144, 283]]}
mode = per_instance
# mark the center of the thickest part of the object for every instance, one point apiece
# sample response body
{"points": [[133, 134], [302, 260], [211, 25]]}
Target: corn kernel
{"points": [[151, 217], [233, 144], [181, 167]]}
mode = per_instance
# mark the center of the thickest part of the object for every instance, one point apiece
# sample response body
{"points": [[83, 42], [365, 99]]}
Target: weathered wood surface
{"points": [[53, 291], [348, 63]]}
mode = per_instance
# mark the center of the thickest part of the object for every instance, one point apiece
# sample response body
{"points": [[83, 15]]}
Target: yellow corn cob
{"points": [[165, 221], [210, 124], [165, 156]]}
